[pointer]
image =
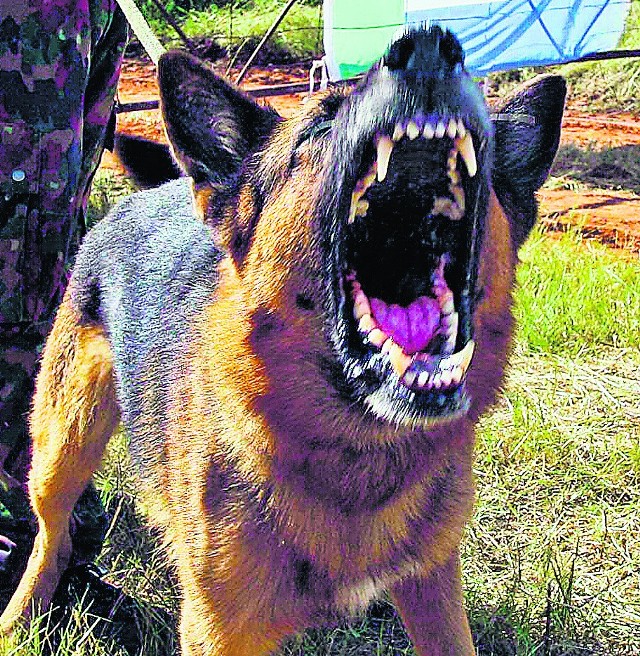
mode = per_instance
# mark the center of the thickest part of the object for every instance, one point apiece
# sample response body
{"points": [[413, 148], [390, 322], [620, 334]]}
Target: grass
{"points": [[238, 27]]}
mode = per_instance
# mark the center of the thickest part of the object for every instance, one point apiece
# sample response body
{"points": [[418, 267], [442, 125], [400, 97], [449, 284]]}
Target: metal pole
{"points": [[265, 38]]}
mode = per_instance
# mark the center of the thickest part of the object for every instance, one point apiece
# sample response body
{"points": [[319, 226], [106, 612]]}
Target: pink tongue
{"points": [[412, 327]]}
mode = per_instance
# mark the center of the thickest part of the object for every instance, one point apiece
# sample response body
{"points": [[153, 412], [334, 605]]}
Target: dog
{"points": [[299, 336]]}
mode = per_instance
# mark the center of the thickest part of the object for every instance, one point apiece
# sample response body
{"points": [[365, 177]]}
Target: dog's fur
{"points": [[285, 502]]}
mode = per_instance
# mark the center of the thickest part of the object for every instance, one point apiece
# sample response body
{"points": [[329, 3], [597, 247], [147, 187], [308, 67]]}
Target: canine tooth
{"points": [[398, 132], [452, 128], [462, 130], [377, 337], [466, 354], [456, 375], [387, 346], [462, 358], [458, 194], [366, 324], [440, 130], [400, 361], [465, 146], [429, 131], [412, 130], [385, 147]]}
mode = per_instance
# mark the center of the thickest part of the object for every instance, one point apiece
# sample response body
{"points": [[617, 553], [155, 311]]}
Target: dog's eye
{"points": [[316, 130]]}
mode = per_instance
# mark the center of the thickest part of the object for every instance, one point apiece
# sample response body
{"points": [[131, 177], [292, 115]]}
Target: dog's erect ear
{"points": [[527, 129], [212, 125]]}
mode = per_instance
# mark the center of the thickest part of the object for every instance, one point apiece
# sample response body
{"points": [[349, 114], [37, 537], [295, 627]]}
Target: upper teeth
{"points": [[453, 128]]}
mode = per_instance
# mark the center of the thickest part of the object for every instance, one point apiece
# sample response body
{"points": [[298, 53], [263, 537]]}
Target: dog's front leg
{"points": [[433, 613]]}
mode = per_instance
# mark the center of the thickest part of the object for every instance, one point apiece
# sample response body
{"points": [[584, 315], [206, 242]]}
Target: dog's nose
{"points": [[428, 52]]}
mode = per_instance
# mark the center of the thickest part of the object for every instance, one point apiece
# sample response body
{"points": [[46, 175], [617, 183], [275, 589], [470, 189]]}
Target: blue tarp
{"points": [[495, 35]]}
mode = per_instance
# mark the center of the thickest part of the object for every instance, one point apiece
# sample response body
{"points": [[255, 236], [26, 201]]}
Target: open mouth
{"points": [[408, 265]]}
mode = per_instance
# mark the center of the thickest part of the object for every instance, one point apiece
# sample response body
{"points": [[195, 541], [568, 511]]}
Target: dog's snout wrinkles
{"points": [[430, 52]]}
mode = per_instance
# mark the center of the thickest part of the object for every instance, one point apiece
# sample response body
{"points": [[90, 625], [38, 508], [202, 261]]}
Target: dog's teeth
{"points": [[465, 146], [377, 337], [447, 306], [366, 322], [451, 332], [461, 359], [398, 132], [387, 346], [429, 131], [385, 148], [456, 376], [361, 306], [413, 130], [400, 361], [452, 128], [409, 378], [462, 130], [449, 323], [423, 378], [440, 130]]}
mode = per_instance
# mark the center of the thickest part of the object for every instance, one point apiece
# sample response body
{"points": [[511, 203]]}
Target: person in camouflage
{"points": [[59, 66]]}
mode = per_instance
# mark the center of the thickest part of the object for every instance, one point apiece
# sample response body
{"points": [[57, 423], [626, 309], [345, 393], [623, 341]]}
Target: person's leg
{"points": [[57, 84]]}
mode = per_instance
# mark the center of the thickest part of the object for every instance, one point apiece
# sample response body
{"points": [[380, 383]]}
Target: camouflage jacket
{"points": [[59, 66]]}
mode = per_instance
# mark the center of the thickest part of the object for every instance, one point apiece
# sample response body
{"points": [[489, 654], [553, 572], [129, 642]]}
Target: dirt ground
{"points": [[610, 216]]}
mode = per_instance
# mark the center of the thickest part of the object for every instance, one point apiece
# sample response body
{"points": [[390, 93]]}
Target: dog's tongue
{"points": [[413, 327]]}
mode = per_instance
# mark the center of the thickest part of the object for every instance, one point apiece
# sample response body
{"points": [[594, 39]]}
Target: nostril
{"points": [[432, 51], [451, 50]]}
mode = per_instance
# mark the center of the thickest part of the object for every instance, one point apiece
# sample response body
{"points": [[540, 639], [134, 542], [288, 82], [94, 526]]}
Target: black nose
{"points": [[431, 52]]}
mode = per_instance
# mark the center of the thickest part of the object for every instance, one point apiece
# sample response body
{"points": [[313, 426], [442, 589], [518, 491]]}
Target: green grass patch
{"points": [[575, 297], [239, 27], [599, 167]]}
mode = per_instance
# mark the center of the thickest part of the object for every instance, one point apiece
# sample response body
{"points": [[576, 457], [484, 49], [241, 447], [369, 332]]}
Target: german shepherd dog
{"points": [[298, 338]]}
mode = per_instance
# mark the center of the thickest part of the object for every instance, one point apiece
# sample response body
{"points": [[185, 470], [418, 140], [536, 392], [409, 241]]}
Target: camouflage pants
{"points": [[59, 66]]}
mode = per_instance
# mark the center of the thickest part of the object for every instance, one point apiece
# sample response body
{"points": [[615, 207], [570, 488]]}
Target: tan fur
{"points": [[74, 414]]}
